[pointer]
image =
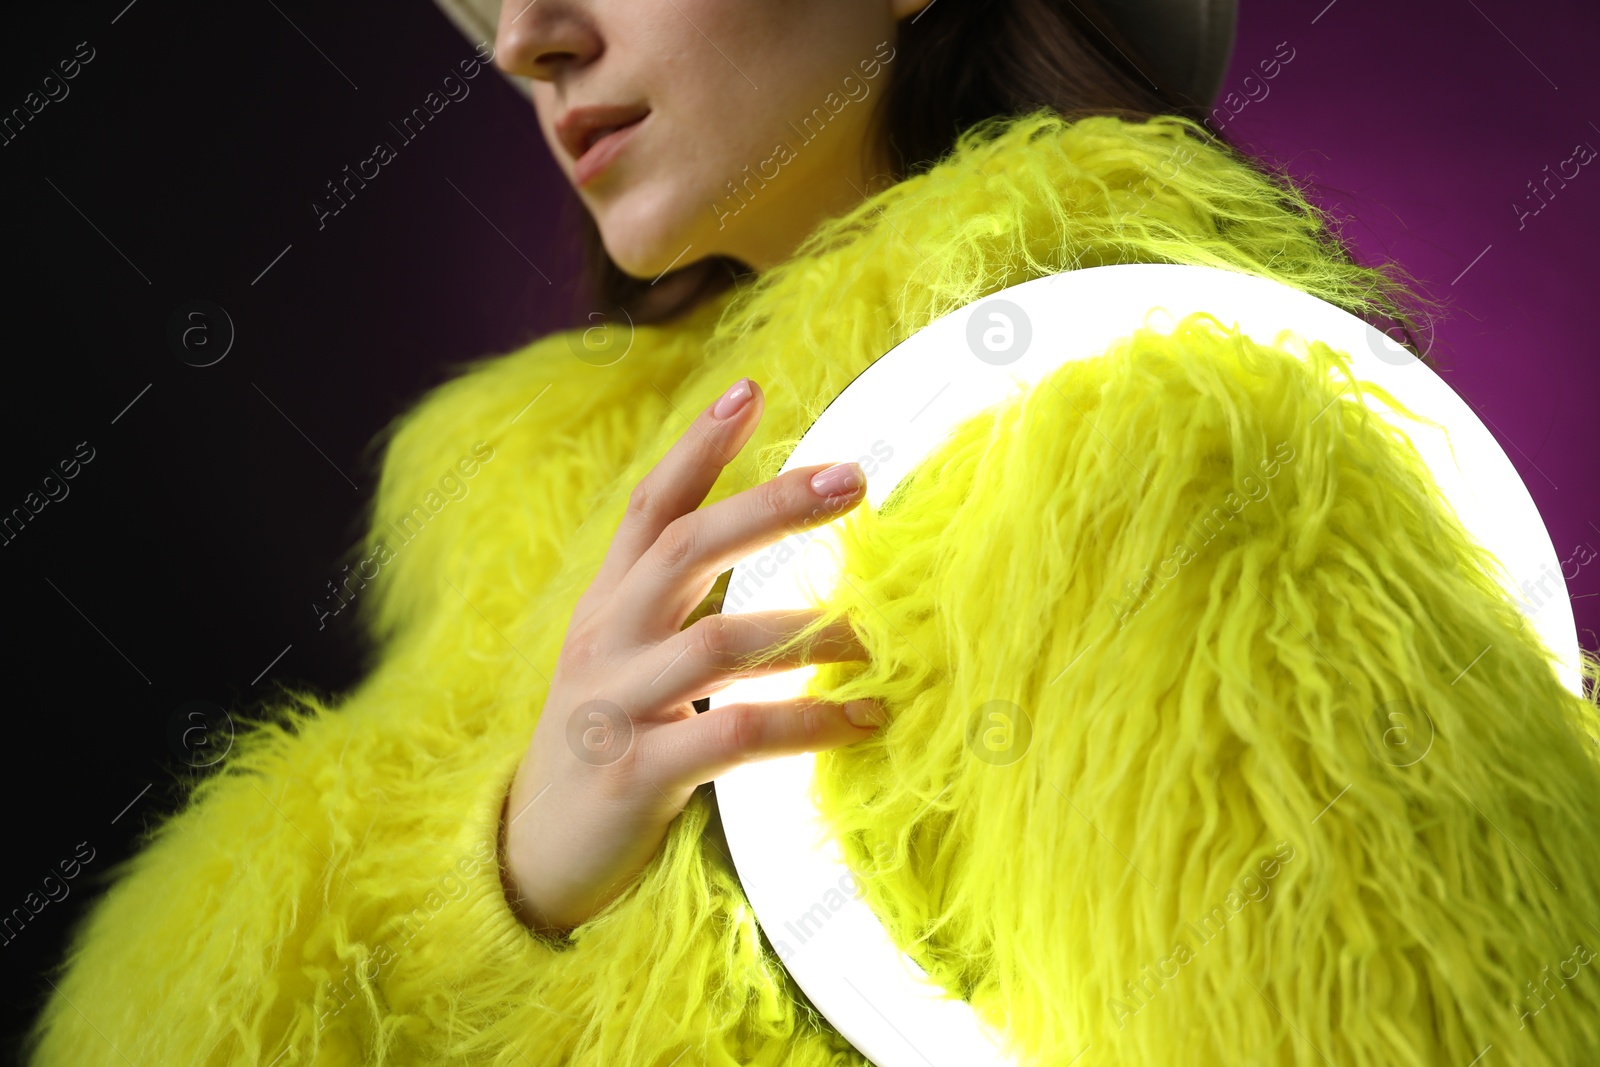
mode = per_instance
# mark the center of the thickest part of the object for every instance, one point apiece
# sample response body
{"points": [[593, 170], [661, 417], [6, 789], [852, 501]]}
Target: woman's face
{"points": [[693, 128]]}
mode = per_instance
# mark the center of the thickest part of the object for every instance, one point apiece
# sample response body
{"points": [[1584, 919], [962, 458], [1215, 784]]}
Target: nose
{"points": [[543, 39]]}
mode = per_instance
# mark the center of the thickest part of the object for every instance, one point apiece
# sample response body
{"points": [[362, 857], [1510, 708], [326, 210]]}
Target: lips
{"points": [[593, 136]]}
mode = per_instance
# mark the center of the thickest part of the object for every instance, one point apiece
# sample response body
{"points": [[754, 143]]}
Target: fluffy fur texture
{"points": [[331, 896], [1212, 739]]}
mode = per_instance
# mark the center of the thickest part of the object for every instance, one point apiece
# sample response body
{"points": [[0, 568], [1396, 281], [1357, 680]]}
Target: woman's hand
{"points": [[619, 747]]}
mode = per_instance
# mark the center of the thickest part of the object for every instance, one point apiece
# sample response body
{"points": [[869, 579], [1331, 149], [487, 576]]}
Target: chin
{"points": [[646, 232], [646, 262]]}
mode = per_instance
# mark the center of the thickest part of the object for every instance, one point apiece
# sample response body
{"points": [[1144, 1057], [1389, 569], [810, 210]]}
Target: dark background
{"points": [[182, 166]]}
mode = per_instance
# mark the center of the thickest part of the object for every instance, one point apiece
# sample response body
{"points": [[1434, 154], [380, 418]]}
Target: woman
{"points": [[1213, 849]]}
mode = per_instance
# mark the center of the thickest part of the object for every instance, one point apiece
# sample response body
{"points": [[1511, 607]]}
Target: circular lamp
{"points": [[803, 894]]}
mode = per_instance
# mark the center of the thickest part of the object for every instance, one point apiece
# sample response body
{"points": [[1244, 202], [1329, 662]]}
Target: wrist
{"points": [[514, 882]]}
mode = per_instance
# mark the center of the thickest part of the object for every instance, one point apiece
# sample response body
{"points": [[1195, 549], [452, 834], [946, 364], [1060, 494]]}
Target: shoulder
{"points": [[538, 398], [476, 402], [1074, 163], [500, 462]]}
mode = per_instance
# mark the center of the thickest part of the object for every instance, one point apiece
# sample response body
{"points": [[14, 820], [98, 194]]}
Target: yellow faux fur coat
{"points": [[1223, 844]]}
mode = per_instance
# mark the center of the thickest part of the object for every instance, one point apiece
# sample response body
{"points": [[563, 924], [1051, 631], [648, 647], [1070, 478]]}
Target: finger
{"points": [[711, 654], [674, 573], [698, 749], [679, 482]]}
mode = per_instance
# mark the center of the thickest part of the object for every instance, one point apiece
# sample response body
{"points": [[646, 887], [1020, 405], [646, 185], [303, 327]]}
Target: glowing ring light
{"points": [[912, 398]]}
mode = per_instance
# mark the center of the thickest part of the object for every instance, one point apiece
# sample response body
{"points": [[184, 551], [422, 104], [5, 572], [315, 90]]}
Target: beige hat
{"points": [[1188, 41]]}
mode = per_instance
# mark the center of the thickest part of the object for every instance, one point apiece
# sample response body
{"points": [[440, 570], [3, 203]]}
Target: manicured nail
{"points": [[865, 713], [841, 479], [736, 397]]}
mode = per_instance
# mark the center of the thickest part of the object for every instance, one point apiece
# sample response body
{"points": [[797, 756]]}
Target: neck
{"points": [[775, 237]]}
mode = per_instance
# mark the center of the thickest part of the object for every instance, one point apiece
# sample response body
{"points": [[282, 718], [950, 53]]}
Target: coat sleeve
{"points": [[1207, 718], [332, 894], [259, 923]]}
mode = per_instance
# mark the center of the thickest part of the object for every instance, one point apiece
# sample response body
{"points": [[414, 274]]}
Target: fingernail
{"points": [[840, 479], [736, 397], [864, 713]]}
